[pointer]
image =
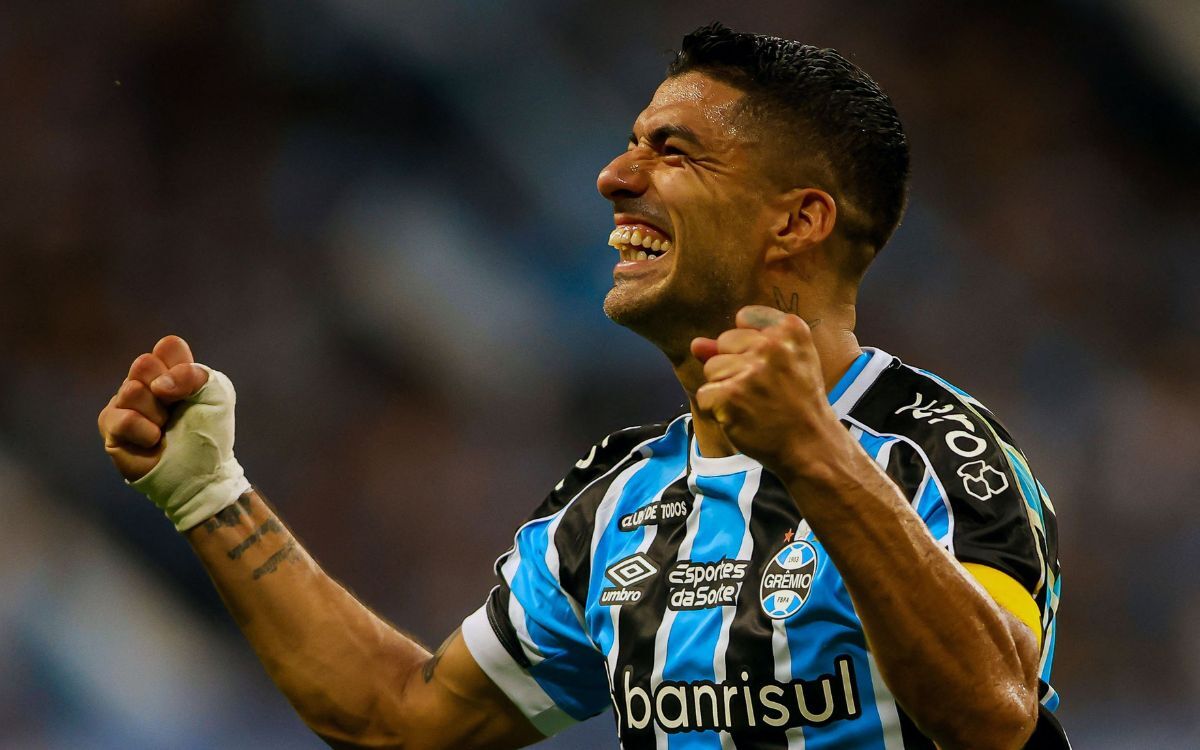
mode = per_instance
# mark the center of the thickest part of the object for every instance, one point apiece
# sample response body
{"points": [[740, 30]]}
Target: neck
{"points": [[837, 348]]}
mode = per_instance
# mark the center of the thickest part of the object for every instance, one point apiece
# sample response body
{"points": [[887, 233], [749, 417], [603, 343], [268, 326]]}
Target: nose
{"points": [[623, 177]]}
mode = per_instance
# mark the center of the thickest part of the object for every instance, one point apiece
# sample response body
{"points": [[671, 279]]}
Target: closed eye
{"points": [[665, 139]]}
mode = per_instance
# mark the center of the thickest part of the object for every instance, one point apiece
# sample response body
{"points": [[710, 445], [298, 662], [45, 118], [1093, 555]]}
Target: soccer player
{"points": [[830, 549]]}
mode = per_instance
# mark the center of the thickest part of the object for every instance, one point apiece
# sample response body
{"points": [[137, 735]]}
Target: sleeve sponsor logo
{"points": [[627, 573], [788, 579], [981, 480], [586, 461], [964, 442], [729, 706], [582, 464], [701, 585], [655, 513]]}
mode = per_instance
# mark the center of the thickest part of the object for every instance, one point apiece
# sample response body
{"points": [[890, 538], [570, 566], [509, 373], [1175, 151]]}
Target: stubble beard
{"points": [[670, 317]]}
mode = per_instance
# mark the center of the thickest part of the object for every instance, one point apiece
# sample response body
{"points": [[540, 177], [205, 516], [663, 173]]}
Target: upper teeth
{"points": [[627, 237]]}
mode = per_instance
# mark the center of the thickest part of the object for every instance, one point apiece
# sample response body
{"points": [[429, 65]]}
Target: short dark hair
{"points": [[824, 99]]}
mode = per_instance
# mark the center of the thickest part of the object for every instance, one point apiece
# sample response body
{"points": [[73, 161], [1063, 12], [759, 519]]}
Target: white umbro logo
{"points": [[631, 570]]}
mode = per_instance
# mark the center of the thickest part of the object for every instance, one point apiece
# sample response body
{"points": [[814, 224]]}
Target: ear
{"points": [[805, 219]]}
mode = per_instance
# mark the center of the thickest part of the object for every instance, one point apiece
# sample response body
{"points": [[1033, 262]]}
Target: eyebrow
{"points": [[663, 132]]}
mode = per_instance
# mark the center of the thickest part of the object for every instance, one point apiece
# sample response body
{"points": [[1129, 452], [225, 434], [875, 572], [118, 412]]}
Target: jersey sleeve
{"points": [[530, 636], [966, 478], [975, 491], [530, 640], [986, 510]]}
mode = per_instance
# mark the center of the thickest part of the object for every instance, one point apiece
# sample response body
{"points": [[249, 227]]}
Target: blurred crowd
{"points": [[379, 218]]}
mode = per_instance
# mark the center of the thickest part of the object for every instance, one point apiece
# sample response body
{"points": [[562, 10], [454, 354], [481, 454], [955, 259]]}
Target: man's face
{"points": [[690, 180]]}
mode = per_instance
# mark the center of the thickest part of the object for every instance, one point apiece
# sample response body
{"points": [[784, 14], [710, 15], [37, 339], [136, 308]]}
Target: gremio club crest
{"points": [[788, 580]]}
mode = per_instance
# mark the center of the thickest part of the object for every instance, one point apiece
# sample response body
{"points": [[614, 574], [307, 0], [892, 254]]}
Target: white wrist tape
{"points": [[197, 475]]}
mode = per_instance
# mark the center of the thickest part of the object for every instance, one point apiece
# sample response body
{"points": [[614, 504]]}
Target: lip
{"points": [[635, 267]]}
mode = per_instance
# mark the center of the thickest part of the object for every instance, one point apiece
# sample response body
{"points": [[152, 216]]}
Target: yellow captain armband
{"points": [[1008, 594]]}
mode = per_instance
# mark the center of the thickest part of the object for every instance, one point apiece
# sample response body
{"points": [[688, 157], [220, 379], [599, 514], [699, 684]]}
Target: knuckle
{"points": [[129, 391], [143, 366], [768, 353], [126, 422]]}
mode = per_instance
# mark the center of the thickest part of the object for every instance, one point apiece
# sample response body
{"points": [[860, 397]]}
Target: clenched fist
{"points": [[765, 387], [169, 431]]}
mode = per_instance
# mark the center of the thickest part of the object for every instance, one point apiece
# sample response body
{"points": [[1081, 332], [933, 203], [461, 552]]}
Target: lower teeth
{"points": [[643, 255]]}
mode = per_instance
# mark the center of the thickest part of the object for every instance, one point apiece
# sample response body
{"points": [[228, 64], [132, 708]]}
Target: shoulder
{"points": [[560, 529], [615, 449], [949, 431], [962, 471]]}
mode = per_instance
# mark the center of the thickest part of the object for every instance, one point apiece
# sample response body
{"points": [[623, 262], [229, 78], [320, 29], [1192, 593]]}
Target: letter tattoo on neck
{"points": [[792, 305]]}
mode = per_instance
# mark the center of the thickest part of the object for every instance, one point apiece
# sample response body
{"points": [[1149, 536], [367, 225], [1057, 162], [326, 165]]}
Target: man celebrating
{"points": [[831, 549]]}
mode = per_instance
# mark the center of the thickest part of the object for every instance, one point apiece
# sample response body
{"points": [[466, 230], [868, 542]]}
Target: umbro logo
{"points": [[631, 570], [627, 573]]}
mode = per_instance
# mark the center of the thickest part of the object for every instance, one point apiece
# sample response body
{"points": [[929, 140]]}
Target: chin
{"points": [[632, 309], [668, 323]]}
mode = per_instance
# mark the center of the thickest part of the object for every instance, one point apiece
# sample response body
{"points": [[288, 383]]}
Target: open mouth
{"points": [[637, 242]]}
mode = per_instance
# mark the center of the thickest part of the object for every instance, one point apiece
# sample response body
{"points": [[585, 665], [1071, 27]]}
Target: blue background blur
{"points": [[379, 218]]}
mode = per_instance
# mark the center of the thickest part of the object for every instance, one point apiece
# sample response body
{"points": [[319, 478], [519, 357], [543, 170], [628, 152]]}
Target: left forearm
{"points": [[949, 654]]}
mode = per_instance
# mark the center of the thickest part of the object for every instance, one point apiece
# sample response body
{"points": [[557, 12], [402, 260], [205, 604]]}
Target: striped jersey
{"points": [[688, 594]]}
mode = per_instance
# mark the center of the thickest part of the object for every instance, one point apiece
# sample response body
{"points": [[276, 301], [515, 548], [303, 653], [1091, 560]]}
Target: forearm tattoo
{"points": [[431, 664], [264, 533], [289, 552], [268, 526], [230, 516]]}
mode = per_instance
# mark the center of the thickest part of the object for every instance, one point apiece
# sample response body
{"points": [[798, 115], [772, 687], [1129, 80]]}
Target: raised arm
{"points": [[961, 666], [354, 679]]}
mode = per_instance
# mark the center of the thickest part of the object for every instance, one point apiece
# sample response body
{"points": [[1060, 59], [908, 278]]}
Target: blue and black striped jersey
{"points": [[687, 592]]}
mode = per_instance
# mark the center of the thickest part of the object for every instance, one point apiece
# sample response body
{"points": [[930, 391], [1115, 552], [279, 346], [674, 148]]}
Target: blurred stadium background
{"points": [[379, 218]]}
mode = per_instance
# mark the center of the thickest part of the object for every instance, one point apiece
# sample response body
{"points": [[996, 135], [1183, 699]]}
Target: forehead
{"points": [[708, 106]]}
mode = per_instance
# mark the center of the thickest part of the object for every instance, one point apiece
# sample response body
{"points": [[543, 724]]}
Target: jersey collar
{"points": [[849, 389], [862, 375]]}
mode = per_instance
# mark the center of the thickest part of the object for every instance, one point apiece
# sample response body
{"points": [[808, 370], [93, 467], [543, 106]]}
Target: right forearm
{"points": [[336, 661], [354, 679]]}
